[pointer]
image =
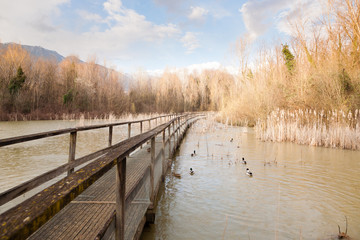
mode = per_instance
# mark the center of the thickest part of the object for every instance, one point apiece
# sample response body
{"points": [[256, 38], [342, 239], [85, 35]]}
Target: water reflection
{"points": [[297, 192]]}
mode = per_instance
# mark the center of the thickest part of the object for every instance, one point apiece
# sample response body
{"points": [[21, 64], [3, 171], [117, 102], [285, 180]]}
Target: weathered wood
{"points": [[72, 150], [169, 139], [120, 198], [129, 130], [173, 133], [28, 216], [152, 175], [110, 135], [163, 166], [31, 137], [18, 190], [141, 130]]}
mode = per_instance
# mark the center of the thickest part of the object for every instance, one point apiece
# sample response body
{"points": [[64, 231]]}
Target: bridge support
{"points": [[120, 198]]}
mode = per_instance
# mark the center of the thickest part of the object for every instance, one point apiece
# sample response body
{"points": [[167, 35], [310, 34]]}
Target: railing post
{"points": [[177, 129], [120, 198], [72, 150], [152, 165], [129, 130], [173, 132], [141, 130], [110, 135], [149, 124], [169, 141], [164, 164], [155, 121]]}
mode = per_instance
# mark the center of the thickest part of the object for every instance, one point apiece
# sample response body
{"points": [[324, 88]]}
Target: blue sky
{"points": [[150, 35]]}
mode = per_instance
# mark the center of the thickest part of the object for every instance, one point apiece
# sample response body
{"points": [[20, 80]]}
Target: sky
{"points": [[149, 35]]}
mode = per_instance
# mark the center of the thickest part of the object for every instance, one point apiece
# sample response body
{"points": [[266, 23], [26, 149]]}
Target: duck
{"points": [[248, 172], [178, 175], [193, 154], [243, 161], [192, 171]]}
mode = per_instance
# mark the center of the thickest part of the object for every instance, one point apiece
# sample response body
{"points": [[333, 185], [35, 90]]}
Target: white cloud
{"points": [[36, 25], [257, 15], [304, 11], [190, 41], [90, 16], [260, 15], [197, 13], [113, 6]]}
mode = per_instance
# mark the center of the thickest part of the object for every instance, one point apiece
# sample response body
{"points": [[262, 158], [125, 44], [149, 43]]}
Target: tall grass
{"points": [[337, 129]]}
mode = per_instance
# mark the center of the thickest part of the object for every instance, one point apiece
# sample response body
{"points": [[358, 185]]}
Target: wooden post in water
{"points": [[72, 150], [152, 175], [120, 198], [110, 135], [129, 130], [164, 163]]}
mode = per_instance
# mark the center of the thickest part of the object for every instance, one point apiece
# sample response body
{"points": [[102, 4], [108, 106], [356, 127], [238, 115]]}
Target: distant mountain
{"points": [[38, 51]]}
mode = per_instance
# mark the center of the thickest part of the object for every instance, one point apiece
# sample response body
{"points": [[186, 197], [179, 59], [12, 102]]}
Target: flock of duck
{"points": [[248, 172], [192, 172]]}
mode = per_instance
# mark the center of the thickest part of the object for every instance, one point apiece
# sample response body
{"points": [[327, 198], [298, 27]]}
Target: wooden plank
{"points": [[163, 158], [152, 165], [120, 199]]}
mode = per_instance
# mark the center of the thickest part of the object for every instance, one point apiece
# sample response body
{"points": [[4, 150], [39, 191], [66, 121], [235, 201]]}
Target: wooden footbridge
{"points": [[108, 194]]}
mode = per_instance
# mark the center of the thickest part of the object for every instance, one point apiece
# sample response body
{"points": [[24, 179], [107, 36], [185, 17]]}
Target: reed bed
{"points": [[336, 128]]}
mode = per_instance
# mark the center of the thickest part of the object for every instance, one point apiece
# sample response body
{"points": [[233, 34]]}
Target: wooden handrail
{"points": [[30, 137], [20, 189]]}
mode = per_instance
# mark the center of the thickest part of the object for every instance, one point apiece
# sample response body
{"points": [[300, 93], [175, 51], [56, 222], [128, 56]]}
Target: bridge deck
{"points": [[89, 213]]}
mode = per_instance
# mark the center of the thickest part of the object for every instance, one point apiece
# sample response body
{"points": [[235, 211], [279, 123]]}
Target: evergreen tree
{"points": [[289, 58], [17, 82]]}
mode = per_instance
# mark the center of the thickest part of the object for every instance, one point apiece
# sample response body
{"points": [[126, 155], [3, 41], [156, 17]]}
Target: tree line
{"points": [[36, 88]]}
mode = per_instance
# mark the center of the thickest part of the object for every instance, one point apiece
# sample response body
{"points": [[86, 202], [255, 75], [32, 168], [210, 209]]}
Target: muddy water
{"points": [[296, 192]]}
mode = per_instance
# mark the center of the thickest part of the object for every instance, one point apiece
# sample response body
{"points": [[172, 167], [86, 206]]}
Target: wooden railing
{"points": [[72, 162], [44, 205]]}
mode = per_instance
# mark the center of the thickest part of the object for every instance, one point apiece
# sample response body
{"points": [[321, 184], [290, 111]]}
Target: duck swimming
{"points": [[191, 171], [243, 161], [248, 172], [193, 154]]}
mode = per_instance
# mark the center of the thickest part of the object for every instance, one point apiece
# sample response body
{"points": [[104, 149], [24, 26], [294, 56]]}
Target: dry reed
{"points": [[336, 129]]}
